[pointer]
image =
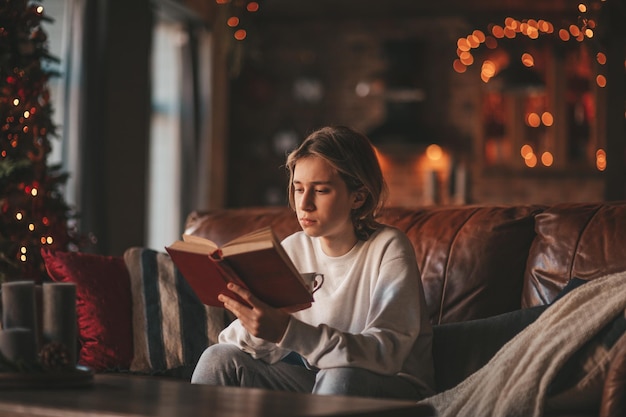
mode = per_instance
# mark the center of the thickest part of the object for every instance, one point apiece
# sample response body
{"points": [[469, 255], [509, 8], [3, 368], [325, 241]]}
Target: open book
{"points": [[256, 261]]}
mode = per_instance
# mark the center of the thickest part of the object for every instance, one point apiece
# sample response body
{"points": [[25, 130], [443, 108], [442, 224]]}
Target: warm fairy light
{"points": [[498, 31], [473, 41], [589, 33], [526, 151], [459, 66], [19, 216], [574, 30], [463, 44], [40, 9], [528, 60], [467, 58], [479, 34], [564, 35], [491, 42], [434, 152], [547, 119], [509, 33], [488, 69], [33, 192], [531, 161], [25, 129], [533, 120], [601, 159], [49, 240], [31, 227], [601, 81], [252, 7], [43, 240], [16, 101], [233, 21], [26, 114], [601, 58], [240, 34], [547, 159], [582, 8], [23, 250]]}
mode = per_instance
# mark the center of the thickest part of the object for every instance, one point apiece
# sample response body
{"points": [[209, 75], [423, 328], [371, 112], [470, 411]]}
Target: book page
{"points": [[192, 247], [254, 241], [196, 241]]}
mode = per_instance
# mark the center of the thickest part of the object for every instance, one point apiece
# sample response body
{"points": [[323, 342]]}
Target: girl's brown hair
{"points": [[353, 157]]}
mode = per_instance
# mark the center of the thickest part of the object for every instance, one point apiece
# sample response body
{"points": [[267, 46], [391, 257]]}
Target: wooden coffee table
{"points": [[125, 395]]}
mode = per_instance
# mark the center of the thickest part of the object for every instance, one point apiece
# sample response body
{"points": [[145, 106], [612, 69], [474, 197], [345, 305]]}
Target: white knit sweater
{"points": [[369, 313]]}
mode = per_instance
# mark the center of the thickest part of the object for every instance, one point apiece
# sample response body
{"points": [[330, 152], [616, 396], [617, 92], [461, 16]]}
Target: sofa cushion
{"points": [[460, 349], [103, 306], [171, 327], [471, 258], [574, 240]]}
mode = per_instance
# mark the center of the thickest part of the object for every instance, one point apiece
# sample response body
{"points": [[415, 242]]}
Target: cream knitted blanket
{"points": [[515, 381]]}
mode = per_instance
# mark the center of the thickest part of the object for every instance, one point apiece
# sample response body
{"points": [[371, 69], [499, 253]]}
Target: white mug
{"points": [[314, 280]]}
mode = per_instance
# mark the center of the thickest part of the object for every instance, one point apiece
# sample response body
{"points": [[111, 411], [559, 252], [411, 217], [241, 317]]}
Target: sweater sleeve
{"points": [[390, 331], [258, 348]]}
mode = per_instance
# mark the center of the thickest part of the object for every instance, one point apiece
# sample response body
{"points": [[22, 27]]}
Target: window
{"points": [[180, 97]]}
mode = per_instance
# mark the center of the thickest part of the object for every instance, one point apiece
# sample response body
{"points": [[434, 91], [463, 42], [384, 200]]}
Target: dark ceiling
{"points": [[341, 9]]}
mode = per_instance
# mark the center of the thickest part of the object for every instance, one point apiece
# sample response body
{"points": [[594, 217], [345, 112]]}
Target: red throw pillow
{"points": [[103, 306]]}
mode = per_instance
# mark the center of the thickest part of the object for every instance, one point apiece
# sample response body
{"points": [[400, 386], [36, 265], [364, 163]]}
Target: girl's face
{"points": [[323, 204]]}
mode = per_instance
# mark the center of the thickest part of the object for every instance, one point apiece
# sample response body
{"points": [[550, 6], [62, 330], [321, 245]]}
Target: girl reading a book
{"points": [[367, 333]]}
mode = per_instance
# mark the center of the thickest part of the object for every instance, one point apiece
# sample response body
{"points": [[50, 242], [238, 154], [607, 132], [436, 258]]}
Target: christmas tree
{"points": [[33, 213]]}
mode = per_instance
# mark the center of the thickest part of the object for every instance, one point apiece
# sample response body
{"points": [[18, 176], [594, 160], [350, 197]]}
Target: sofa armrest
{"points": [[613, 402]]}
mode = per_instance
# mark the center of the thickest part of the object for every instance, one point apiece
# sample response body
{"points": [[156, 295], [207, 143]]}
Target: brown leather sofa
{"points": [[480, 262]]}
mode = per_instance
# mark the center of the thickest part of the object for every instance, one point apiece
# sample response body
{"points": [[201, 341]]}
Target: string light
{"points": [[252, 7], [238, 10], [547, 159], [531, 29]]}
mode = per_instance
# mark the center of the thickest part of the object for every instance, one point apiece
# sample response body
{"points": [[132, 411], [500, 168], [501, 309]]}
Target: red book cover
{"points": [[255, 261], [204, 275]]}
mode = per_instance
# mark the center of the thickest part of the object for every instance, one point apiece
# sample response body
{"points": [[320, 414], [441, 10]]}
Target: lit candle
{"points": [[59, 316]]}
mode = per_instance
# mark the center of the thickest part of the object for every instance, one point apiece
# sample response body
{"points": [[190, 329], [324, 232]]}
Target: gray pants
{"points": [[227, 365]]}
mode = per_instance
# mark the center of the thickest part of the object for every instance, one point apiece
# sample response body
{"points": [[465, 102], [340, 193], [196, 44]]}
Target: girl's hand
{"points": [[261, 320]]}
